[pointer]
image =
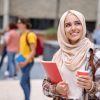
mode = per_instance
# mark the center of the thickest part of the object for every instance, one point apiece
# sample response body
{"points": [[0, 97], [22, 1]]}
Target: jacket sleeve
{"points": [[49, 89], [94, 90]]}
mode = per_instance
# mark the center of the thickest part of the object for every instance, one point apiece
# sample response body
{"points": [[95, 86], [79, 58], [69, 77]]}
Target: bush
{"points": [[51, 34]]}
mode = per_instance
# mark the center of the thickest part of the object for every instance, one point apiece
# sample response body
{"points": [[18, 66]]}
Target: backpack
{"points": [[39, 47]]}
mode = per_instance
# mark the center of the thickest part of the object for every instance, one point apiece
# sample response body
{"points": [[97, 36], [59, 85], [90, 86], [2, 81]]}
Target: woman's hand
{"points": [[23, 64], [17, 67], [84, 82], [62, 88]]}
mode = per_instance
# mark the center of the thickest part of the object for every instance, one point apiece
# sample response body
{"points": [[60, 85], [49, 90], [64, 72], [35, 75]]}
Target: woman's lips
{"points": [[74, 34]]}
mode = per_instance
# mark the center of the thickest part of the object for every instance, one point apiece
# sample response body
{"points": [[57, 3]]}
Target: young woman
{"points": [[75, 53]]}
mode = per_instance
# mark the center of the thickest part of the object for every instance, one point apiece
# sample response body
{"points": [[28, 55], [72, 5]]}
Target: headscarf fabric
{"points": [[72, 56]]}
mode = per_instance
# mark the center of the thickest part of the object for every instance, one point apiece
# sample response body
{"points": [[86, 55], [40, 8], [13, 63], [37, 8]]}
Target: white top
{"points": [[70, 77]]}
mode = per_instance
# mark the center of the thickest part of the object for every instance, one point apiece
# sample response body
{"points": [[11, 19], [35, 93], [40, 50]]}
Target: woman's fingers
{"points": [[62, 88], [84, 82]]}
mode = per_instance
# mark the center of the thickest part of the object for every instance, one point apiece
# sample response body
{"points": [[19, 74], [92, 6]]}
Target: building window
{"points": [[13, 19], [1, 22], [42, 23], [38, 24], [90, 26]]}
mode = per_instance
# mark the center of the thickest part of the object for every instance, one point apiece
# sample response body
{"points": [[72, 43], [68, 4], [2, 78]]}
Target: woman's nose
{"points": [[73, 27]]}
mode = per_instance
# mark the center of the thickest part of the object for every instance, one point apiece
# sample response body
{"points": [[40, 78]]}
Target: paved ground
{"points": [[11, 90]]}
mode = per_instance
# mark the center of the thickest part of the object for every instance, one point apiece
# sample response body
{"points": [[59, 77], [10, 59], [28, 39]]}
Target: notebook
{"points": [[20, 58], [52, 71]]}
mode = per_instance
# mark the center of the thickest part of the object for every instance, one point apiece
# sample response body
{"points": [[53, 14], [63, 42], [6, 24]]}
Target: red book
{"points": [[52, 71]]}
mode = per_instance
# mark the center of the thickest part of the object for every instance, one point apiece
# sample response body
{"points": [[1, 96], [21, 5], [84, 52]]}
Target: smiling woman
{"points": [[73, 28], [76, 53]]}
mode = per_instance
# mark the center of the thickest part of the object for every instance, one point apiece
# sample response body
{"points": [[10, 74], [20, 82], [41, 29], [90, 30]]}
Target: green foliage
{"points": [[51, 34]]}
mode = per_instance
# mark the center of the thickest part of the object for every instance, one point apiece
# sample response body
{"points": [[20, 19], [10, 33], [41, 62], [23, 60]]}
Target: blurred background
{"points": [[44, 16]]}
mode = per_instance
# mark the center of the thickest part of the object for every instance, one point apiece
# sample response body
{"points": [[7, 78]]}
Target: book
{"points": [[52, 71], [20, 58]]}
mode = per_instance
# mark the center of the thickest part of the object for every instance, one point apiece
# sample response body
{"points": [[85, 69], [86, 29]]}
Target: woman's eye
{"points": [[78, 23], [67, 25]]}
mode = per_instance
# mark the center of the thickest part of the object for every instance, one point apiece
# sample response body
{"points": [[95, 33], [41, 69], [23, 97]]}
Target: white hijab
{"points": [[73, 56]]}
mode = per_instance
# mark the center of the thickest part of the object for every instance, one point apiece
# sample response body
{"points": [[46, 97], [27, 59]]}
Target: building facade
{"points": [[43, 13]]}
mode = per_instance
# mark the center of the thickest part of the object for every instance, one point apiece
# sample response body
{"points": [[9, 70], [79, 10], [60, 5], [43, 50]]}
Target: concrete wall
{"points": [[34, 8], [47, 8], [87, 7]]}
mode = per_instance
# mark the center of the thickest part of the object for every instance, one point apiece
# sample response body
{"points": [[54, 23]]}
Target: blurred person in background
{"points": [[27, 50], [4, 51], [89, 35], [12, 46], [3, 54], [96, 35]]}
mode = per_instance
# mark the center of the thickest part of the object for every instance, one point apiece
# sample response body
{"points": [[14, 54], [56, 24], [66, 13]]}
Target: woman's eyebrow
{"points": [[78, 21], [67, 22]]}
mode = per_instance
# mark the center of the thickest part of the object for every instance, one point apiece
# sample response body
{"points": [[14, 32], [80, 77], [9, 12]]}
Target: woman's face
{"points": [[73, 29]]}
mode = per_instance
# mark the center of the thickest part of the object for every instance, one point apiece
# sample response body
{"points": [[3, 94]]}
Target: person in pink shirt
{"points": [[12, 42]]}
